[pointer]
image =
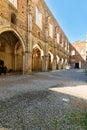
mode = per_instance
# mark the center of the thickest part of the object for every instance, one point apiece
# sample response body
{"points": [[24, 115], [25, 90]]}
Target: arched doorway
{"points": [[36, 60], [50, 60], [11, 51], [57, 64]]}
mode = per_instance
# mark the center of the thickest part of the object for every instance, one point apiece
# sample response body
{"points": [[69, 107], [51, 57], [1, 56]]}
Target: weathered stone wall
{"points": [[61, 48], [80, 54], [6, 9], [37, 41]]}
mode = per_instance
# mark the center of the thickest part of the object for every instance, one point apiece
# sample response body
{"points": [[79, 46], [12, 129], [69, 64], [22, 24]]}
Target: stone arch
{"points": [[39, 47], [5, 29], [62, 60], [14, 2], [57, 59], [37, 55], [10, 49]]}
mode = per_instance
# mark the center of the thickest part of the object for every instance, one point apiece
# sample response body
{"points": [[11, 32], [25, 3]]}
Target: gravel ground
{"points": [[34, 102]]}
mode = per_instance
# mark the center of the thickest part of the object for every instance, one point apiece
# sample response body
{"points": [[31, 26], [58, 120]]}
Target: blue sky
{"points": [[71, 16]]}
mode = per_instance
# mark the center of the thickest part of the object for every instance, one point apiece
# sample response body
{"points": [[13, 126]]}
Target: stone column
{"points": [[23, 65], [13, 61], [43, 64], [46, 44], [59, 63], [54, 65], [29, 37]]}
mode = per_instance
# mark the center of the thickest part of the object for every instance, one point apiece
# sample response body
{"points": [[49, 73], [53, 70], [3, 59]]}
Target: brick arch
{"points": [[51, 54], [50, 60], [39, 47], [6, 29], [39, 4], [18, 36], [37, 58], [14, 2]]}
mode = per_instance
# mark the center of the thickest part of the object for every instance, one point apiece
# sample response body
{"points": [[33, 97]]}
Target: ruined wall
{"points": [[31, 25], [7, 9], [78, 54], [47, 36]]}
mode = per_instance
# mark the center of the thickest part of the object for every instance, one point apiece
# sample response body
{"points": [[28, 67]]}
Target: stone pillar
{"points": [[23, 65], [13, 61], [64, 65], [59, 64], [29, 37], [46, 44], [54, 65], [43, 64], [46, 49]]}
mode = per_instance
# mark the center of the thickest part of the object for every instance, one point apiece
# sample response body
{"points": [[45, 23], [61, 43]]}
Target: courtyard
{"points": [[43, 101]]}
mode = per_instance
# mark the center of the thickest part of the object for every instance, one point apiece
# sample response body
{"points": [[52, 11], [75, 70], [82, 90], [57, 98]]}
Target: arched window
{"points": [[65, 45], [36, 15], [81, 51], [51, 30], [13, 18], [14, 2], [11, 1], [38, 18], [58, 38], [73, 53]]}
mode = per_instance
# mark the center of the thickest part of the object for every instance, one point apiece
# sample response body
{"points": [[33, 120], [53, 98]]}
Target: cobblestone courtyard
{"points": [[41, 101]]}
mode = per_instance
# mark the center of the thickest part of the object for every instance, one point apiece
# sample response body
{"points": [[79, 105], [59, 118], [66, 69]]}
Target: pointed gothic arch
{"points": [[9, 39], [37, 58], [50, 60]]}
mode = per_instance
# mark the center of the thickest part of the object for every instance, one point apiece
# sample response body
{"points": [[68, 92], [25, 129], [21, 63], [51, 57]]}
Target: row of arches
{"points": [[37, 59], [12, 53]]}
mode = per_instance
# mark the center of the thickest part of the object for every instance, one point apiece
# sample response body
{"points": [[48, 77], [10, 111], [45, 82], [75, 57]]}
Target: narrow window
{"points": [[73, 53], [14, 2], [81, 52], [58, 38], [38, 18], [51, 30], [65, 45], [11, 1], [13, 18]]}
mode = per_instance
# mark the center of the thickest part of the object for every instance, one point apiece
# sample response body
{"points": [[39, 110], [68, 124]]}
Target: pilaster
{"points": [[28, 53], [54, 65], [46, 43]]}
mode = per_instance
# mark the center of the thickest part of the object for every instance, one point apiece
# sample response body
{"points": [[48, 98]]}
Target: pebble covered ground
{"points": [[27, 102]]}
